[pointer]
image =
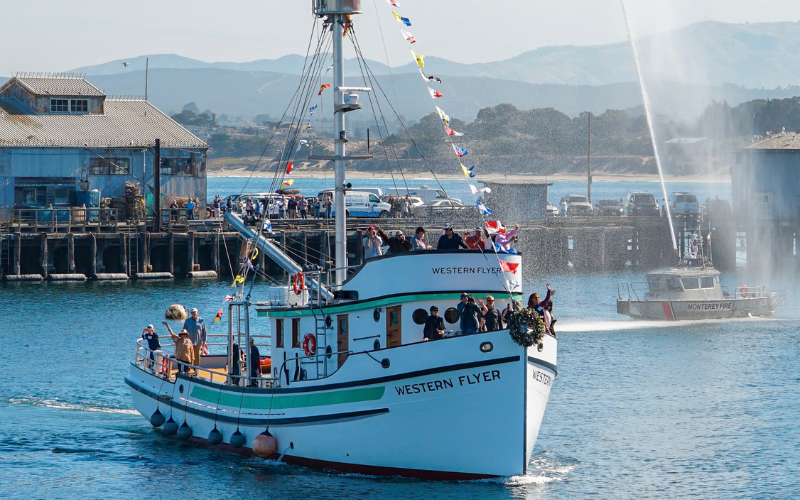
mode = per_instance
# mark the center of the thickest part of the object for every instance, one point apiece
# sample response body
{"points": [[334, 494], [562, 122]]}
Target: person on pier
{"points": [[184, 350]]}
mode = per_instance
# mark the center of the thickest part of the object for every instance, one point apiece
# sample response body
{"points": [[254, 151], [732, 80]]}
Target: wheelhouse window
{"points": [[674, 285], [110, 166], [295, 332], [279, 332], [690, 283], [707, 282]]}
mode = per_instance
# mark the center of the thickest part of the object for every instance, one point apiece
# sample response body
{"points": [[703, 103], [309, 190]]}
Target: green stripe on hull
{"points": [[265, 402], [376, 303]]}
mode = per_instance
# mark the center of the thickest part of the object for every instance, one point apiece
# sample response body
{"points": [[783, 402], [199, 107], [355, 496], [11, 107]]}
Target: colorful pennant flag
{"points": [[401, 19], [218, 317], [476, 191], [443, 115], [419, 58], [430, 78], [301, 144], [287, 183], [268, 226], [238, 279], [329, 68], [468, 171], [311, 110], [509, 267], [229, 298], [435, 94], [483, 209], [289, 167], [393, 3], [250, 265], [255, 254], [409, 38], [461, 151], [323, 87], [451, 131], [494, 227]]}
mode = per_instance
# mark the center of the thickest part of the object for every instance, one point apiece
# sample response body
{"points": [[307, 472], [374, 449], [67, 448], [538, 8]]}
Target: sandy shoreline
{"points": [[598, 177]]}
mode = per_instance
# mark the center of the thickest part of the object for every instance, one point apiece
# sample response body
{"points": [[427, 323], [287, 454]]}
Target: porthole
{"points": [[328, 352], [451, 315], [376, 345], [419, 316], [376, 314], [328, 322], [180, 388], [487, 347]]}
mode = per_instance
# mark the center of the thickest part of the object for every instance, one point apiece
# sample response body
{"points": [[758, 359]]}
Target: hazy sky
{"points": [[57, 35]]}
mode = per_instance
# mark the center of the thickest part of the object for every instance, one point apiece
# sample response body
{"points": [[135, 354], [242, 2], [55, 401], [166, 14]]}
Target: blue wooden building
{"points": [[58, 130], [766, 197]]}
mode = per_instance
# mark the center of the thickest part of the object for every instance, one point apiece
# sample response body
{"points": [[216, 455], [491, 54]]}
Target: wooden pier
{"points": [[103, 248]]}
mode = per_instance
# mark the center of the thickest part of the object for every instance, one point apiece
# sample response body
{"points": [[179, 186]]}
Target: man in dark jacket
{"points": [[255, 362], [450, 240], [434, 326], [470, 315], [491, 315], [397, 243]]}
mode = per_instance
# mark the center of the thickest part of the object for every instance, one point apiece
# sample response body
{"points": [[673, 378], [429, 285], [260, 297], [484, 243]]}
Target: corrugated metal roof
{"points": [[60, 86], [781, 140], [124, 123]]}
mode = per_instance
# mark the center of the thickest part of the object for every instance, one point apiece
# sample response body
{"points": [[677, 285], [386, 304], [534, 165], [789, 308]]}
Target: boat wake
{"points": [[543, 468], [63, 405], [629, 324]]}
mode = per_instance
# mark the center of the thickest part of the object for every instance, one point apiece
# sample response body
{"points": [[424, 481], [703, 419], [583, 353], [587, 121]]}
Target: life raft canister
{"points": [[309, 344], [299, 283]]}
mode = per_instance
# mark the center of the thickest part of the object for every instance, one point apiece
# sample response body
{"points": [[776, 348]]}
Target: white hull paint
{"points": [[442, 410], [682, 310]]}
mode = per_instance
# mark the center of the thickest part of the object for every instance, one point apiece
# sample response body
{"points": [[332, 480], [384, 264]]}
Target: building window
{"points": [[110, 166], [59, 105], [194, 165], [762, 199], [79, 106]]}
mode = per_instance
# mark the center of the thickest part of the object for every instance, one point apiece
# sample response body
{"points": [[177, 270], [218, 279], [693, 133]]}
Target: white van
{"points": [[426, 193], [362, 204]]}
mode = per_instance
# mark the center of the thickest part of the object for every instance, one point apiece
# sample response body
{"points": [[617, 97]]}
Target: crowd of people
{"points": [[376, 239], [479, 316]]}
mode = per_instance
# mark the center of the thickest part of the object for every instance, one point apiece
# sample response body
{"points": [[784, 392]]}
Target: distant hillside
{"points": [[761, 55], [246, 94]]}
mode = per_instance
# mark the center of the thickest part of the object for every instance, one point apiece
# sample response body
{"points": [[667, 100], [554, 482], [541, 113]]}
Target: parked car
{"points": [[439, 208], [683, 205], [363, 204], [577, 205], [608, 208], [551, 210], [642, 204], [427, 194]]}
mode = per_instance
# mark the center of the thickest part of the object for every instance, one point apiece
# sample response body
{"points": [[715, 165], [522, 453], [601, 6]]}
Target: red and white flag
{"points": [[509, 267], [409, 38], [394, 3], [494, 227], [436, 95], [447, 127]]}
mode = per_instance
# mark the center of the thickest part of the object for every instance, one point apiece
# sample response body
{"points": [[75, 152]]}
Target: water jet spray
{"points": [[647, 113]]}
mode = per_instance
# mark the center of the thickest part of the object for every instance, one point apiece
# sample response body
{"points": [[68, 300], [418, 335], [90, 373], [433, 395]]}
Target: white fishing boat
{"points": [[692, 291], [350, 383]]}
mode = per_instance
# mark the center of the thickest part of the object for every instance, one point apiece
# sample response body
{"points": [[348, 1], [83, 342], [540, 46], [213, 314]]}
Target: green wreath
{"points": [[526, 327]]}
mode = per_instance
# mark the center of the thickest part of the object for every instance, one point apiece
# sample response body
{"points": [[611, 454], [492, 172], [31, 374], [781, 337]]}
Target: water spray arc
{"points": [[648, 115]]}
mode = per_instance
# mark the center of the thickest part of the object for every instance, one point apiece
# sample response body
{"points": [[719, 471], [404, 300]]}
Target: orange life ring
{"points": [[744, 291], [309, 344], [299, 283], [165, 366]]}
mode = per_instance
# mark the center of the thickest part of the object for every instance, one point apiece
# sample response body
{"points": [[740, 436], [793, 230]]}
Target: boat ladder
{"points": [[320, 329]]}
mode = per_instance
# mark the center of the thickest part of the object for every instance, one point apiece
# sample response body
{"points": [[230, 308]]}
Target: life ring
{"points": [[165, 366], [309, 344], [744, 292], [299, 283]]}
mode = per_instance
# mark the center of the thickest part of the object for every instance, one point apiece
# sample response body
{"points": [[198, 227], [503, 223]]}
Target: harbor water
{"points": [[639, 410]]}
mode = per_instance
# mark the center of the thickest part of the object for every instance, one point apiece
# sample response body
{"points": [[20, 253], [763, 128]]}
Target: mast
{"points": [[340, 138]]}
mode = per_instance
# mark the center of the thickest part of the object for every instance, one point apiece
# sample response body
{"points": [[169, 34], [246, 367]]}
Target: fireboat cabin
{"points": [[64, 143]]}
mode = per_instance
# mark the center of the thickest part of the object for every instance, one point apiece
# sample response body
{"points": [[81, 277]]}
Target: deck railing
{"points": [[54, 220]]}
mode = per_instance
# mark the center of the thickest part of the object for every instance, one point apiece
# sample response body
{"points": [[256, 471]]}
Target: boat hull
{"points": [[444, 410], [682, 310]]}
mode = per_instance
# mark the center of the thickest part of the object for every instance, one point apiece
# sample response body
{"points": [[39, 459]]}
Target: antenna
{"points": [[146, 71]]}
